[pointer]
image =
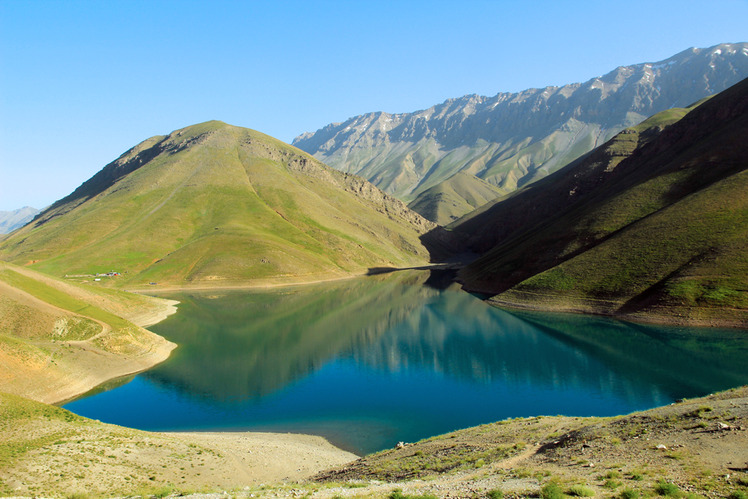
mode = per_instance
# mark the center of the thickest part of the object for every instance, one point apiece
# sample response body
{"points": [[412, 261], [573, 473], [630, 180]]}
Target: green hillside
{"points": [[652, 223], [458, 195], [214, 204], [58, 339]]}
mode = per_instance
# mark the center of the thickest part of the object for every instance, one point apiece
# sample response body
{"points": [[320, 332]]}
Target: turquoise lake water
{"points": [[372, 361]]}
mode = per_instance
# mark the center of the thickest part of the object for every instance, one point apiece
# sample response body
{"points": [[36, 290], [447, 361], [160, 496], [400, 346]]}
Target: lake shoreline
{"points": [[229, 440], [598, 308]]}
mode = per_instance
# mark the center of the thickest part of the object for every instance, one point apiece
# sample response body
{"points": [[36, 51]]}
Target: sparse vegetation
{"points": [[630, 494], [551, 490], [580, 491], [668, 489]]}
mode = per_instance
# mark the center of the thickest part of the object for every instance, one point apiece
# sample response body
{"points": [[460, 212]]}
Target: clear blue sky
{"points": [[81, 82]]}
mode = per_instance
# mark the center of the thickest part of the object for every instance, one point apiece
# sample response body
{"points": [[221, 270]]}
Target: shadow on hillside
{"points": [[445, 246], [439, 278]]}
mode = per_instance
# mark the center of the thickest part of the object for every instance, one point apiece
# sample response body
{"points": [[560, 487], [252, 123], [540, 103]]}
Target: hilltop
{"points": [[213, 204], [512, 139], [653, 224]]}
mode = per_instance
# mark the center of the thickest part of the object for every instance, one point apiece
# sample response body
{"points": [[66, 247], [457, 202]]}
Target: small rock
{"points": [[662, 447]]}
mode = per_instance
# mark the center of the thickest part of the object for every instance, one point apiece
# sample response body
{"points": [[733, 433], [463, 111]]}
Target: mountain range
{"points": [[214, 204], [654, 222], [11, 220], [512, 139]]}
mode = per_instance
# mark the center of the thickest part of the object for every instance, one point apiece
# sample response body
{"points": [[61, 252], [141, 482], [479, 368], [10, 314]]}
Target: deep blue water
{"points": [[373, 361]]}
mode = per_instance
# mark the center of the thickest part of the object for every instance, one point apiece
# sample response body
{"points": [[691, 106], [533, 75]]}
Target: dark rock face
{"points": [[511, 139]]}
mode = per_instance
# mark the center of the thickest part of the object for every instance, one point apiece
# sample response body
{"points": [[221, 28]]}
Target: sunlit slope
{"points": [[58, 340], [655, 222], [213, 203], [458, 195]]}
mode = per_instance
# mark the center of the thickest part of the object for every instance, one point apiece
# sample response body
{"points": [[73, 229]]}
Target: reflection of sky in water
{"points": [[371, 362]]}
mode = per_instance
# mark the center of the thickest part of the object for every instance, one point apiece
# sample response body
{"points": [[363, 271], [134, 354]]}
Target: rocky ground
{"points": [[47, 451], [692, 448]]}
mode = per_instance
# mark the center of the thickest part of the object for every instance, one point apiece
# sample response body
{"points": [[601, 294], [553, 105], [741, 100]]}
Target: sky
{"points": [[83, 81]]}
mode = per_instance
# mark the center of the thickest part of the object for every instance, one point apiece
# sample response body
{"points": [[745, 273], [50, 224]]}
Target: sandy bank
{"points": [[223, 285], [65, 455]]}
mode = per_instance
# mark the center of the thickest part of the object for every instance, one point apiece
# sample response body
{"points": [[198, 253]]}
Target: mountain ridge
{"points": [[12, 220], [511, 139], [454, 197], [217, 204], [652, 223]]}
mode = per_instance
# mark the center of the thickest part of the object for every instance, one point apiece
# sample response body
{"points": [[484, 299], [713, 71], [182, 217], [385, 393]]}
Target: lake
{"points": [[368, 362]]}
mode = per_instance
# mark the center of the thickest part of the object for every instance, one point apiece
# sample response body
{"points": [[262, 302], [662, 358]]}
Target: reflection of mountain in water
{"points": [[687, 361], [244, 345], [459, 336], [241, 345]]}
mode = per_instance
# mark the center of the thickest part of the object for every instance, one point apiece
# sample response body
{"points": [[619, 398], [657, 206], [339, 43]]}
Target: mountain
{"points": [[458, 195], [214, 204], [11, 220], [654, 222], [59, 340], [512, 139]]}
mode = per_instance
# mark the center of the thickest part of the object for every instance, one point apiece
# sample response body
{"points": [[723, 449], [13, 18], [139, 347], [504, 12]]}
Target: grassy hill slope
{"points": [[458, 195], [218, 204], [58, 340], [654, 222]]}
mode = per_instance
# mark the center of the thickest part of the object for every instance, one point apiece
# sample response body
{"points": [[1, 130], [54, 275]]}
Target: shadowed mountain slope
{"points": [[449, 200], [213, 204], [512, 139], [654, 222]]}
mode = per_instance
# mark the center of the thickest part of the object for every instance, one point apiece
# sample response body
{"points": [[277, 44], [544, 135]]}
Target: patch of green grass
{"points": [[551, 490], [79, 495], [612, 484], [630, 494], [495, 494], [580, 491], [398, 494], [459, 456], [667, 489], [738, 494], [555, 279]]}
